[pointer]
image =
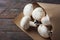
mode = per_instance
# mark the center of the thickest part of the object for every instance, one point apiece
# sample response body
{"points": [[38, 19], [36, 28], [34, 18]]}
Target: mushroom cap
{"points": [[24, 23], [45, 20], [27, 11], [38, 13], [43, 31]]}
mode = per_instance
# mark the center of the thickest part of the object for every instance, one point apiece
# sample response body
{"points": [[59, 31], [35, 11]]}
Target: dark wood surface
{"points": [[8, 30], [9, 9]]}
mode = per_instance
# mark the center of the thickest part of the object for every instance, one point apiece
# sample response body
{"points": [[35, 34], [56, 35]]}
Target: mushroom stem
{"points": [[37, 22], [32, 24]]}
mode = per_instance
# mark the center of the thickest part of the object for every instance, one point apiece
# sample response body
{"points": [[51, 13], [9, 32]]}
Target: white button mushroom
{"points": [[43, 31], [45, 20], [27, 11], [24, 23], [38, 13]]}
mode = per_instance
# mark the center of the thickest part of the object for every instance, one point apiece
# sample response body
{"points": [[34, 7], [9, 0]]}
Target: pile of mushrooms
{"points": [[36, 17]]}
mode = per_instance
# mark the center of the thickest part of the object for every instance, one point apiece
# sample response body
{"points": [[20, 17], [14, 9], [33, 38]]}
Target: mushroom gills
{"points": [[37, 22]]}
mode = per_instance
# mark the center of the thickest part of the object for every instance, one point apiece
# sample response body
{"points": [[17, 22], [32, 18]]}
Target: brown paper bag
{"points": [[53, 10]]}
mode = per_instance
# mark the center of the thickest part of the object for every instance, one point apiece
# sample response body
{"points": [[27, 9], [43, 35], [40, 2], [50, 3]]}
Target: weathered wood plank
{"points": [[9, 31], [14, 7], [43, 1], [12, 10], [14, 36], [8, 25]]}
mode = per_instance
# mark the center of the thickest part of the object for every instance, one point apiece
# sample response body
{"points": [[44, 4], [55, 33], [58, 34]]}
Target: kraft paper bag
{"points": [[53, 10]]}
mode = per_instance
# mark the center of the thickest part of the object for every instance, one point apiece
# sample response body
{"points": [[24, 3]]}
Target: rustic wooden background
{"points": [[9, 9]]}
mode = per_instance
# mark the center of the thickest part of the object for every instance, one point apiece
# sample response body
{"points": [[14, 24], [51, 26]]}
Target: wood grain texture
{"points": [[14, 7], [8, 25], [14, 36], [9, 9], [9, 31]]}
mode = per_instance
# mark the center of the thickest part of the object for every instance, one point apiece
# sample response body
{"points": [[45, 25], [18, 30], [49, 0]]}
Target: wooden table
{"points": [[8, 30], [9, 9]]}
